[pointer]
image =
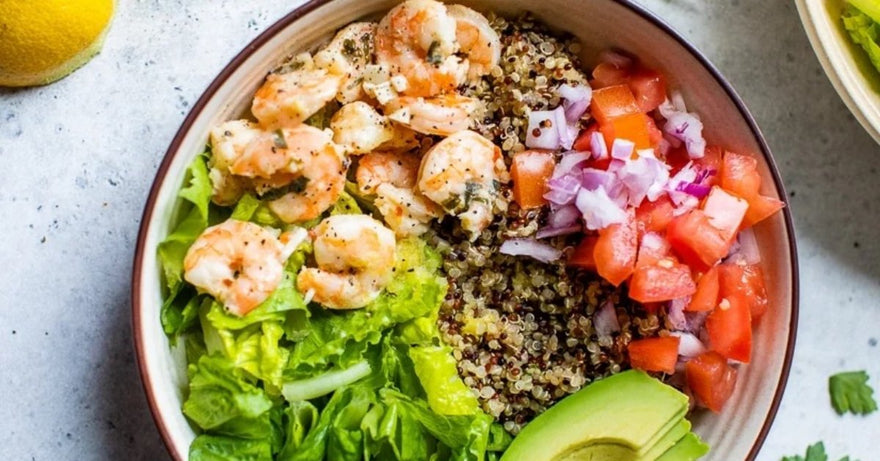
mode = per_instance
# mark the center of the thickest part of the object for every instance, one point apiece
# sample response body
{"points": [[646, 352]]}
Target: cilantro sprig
{"points": [[815, 452], [850, 392]]}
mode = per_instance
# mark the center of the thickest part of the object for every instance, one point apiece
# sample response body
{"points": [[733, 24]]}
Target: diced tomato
{"points": [[760, 208], [652, 248], [654, 354], [530, 170], [582, 256], [654, 133], [706, 297], [711, 160], [696, 241], [725, 211], [677, 158], [632, 127], [665, 280], [649, 89], [654, 216], [615, 251], [711, 380], [611, 102], [730, 328], [746, 281], [739, 175], [608, 74], [582, 143]]}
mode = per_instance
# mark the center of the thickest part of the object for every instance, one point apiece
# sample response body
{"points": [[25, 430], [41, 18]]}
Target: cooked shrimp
{"points": [[286, 100], [303, 163], [462, 173], [348, 55], [358, 128], [405, 210], [239, 263], [376, 168], [442, 115], [228, 142], [355, 255], [416, 40], [477, 39]]}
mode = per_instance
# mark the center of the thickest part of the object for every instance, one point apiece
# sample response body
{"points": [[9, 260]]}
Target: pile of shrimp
{"points": [[402, 133]]}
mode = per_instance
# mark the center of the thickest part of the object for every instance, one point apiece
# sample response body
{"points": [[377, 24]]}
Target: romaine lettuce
{"points": [[218, 393], [859, 19]]}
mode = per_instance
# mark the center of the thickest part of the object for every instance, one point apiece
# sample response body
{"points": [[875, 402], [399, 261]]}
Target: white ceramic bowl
{"points": [[736, 434], [846, 64]]}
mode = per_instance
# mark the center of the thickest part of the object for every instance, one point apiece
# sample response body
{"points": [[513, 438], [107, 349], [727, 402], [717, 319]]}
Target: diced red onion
{"points": [[683, 125], [548, 231], [565, 216], [562, 190], [695, 321], [605, 320], [689, 203], [697, 190], [530, 247], [599, 211], [622, 149], [568, 131], [745, 249], [688, 345], [570, 162], [598, 147], [675, 313], [548, 136], [619, 60], [644, 176], [592, 178], [575, 100], [687, 175]]}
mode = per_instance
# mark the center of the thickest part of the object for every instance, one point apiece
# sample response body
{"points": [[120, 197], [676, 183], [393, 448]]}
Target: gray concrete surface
{"points": [[78, 158]]}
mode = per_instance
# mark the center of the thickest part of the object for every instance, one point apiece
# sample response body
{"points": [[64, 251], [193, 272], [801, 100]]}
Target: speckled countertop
{"points": [[78, 158]]}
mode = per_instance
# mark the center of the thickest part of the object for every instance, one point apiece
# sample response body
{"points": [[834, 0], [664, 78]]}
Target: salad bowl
{"points": [[735, 433]]}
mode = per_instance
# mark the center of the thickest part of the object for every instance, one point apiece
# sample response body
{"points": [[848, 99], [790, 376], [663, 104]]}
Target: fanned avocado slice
{"points": [[621, 417], [668, 441], [689, 448]]}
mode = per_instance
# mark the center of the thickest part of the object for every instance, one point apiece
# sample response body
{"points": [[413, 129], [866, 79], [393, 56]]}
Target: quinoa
{"points": [[521, 330]]}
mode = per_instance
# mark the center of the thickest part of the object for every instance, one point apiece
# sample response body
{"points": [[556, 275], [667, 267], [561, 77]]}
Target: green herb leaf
{"points": [[815, 452], [850, 393]]}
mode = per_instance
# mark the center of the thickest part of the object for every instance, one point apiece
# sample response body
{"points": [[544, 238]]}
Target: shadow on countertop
{"points": [[126, 427]]}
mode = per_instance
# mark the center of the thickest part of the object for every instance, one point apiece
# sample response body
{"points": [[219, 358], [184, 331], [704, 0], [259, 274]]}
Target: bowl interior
{"points": [[734, 434], [851, 73]]}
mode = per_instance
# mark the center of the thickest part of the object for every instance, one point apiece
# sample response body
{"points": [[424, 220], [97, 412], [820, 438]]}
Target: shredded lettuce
{"points": [[860, 20]]}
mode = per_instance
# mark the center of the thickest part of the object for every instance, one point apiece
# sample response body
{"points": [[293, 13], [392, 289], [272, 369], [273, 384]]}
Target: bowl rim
{"points": [[311, 5]]}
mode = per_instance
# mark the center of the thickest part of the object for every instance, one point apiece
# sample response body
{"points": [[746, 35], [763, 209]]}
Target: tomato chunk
{"points": [[706, 297], [652, 248], [664, 280], [730, 328], [739, 175], [654, 216], [632, 127], [648, 88], [530, 171], [725, 211], [611, 102], [697, 241], [615, 251], [760, 208], [582, 256], [582, 143], [608, 74], [712, 160], [654, 354], [711, 380], [747, 282]]}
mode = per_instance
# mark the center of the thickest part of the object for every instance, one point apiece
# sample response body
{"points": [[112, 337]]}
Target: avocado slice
{"points": [[619, 418], [689, 448], [667, 441]]}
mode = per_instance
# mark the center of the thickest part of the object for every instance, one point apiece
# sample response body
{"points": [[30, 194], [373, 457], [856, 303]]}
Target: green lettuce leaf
{"points": [[207, 447], [345, 205], [250, 208], [863, 30], [341, 339], [219, 393], [300, 418], [447, 393]]}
